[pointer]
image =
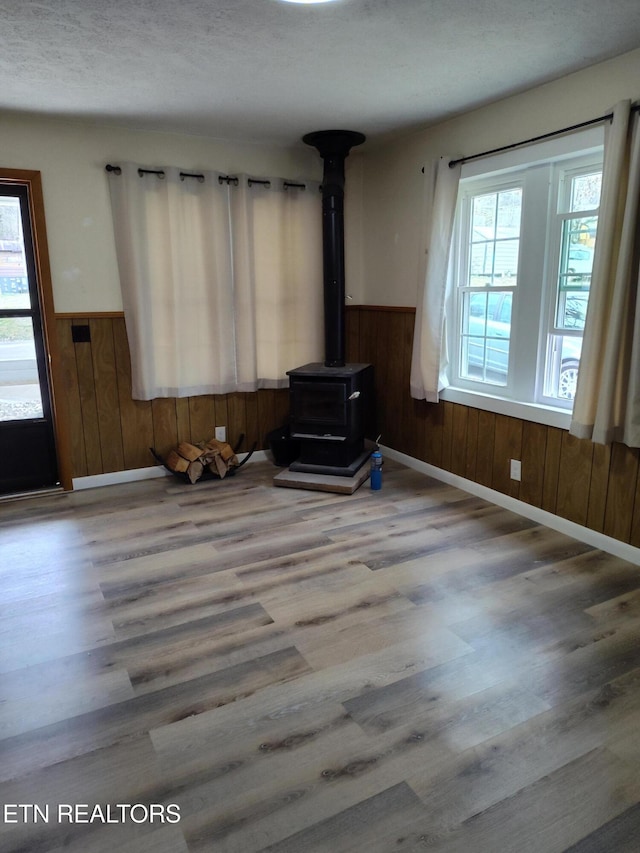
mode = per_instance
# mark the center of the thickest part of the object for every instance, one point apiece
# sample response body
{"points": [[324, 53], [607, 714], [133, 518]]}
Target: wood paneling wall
{"points": [[592, 485], [109, 431], [596, 486]]}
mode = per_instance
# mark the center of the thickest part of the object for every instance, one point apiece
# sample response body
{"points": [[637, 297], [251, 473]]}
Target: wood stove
{"points": [[331, 411], [332, 404]]}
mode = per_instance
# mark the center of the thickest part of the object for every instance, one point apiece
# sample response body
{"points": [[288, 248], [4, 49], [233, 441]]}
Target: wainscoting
{"points": [[592, 485], [111, 432]]}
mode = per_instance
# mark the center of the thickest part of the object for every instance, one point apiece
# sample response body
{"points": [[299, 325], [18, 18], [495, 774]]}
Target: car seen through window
{"points": [[486, 339]]}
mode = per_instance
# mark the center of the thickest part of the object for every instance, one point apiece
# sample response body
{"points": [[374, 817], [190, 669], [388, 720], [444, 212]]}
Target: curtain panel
{"points": [[607, 402], [221, 279], [429, 359]]}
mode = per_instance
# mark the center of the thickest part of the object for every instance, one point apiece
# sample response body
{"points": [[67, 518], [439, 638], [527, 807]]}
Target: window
{"points": [[576, 222], [521, 265], [485, 294]]}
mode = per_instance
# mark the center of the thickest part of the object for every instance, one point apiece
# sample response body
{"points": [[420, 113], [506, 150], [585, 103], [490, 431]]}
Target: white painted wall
{"points": [[71, 157], [393, 186]]}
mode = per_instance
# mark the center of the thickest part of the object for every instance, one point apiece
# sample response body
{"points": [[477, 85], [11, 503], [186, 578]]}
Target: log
{"points": [[227, 453], [194, 471], [218, 466], [189, 451], [175, 462], [215, 446], [223, 448]]}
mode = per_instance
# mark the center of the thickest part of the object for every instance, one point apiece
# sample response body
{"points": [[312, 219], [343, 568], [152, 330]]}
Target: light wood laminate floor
{"points": [[412, 669]]}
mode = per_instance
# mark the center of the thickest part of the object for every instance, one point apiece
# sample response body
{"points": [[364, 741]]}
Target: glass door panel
{"points": [[14, 279], [20, 394]]}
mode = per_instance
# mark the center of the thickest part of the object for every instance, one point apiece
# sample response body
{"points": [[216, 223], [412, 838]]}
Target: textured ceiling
{"points": [[270, 71]]}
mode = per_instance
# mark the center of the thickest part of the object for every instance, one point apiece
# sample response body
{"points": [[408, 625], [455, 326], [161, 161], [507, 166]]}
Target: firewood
{"points": [[218, 466], [222, 447], [189, 451], [227, 452], [213, 445], [194, 471], [175, 462]]}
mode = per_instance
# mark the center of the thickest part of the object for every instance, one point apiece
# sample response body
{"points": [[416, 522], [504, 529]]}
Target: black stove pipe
{"points": [[334, 147]]}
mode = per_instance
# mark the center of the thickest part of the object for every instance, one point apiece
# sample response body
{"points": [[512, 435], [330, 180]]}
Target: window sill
{"points": [[533, 412]]}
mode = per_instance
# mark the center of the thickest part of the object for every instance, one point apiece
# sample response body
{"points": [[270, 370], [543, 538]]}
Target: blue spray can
{"points": [[376, 470]]}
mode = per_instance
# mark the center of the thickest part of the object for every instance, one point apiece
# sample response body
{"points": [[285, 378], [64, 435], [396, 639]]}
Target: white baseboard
{"points": [[137, 474], [116, 477], [541, 516]]}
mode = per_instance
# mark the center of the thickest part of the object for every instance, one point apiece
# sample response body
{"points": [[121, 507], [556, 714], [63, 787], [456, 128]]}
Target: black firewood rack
{"points": [[207, 474]]}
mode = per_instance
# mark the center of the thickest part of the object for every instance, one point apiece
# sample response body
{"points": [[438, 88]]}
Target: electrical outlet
{"points": [[516, 469], [221, 433]]}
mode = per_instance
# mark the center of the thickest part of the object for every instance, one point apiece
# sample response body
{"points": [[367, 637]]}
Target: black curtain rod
{"points": [[159, 172], [199, 178], [530, 141], [222, 179], [550, 135]]}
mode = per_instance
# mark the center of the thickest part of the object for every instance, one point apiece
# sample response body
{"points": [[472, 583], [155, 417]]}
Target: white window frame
{"points": [[557, 157]]}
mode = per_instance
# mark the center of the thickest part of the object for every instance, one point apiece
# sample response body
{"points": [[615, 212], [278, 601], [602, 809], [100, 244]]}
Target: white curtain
{"points": [[221, 280], [607, 402], [277, 262], [429, 358]]}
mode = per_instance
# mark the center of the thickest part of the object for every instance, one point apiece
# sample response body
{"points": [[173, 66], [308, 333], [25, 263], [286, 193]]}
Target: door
{"points": [[27, 441]]}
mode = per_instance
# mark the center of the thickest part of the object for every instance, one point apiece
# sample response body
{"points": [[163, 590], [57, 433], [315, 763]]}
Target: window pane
{"points": [[483, 217], [485, 339], [576, 264], [509, 210], [19, 387], [475, 308], [571, 310], [481, 264], [495, 238], [14, 286], [585, 192], [563, 361], [506, 262]]}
